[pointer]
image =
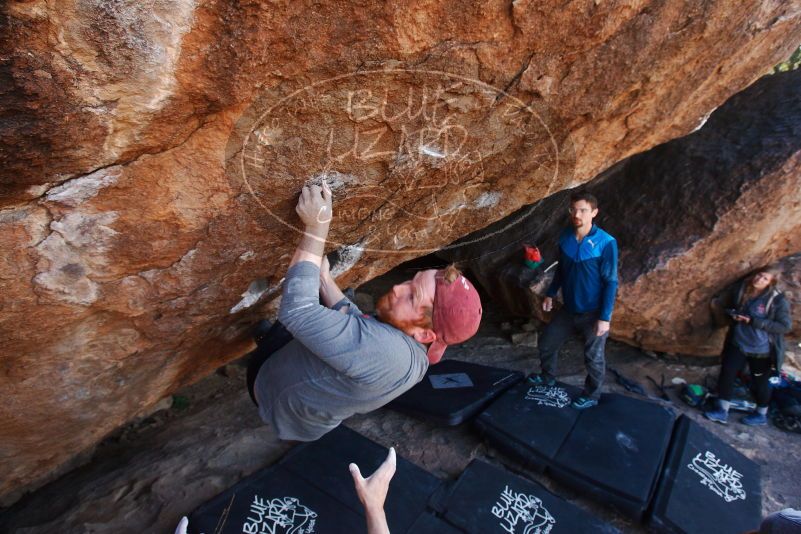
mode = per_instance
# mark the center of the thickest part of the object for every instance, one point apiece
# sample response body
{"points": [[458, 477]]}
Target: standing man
{"points": [[587, 276], [327, 361]]}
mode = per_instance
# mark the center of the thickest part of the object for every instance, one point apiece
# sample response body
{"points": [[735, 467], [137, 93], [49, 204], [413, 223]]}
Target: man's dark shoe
{"points": [[582, 403], [542, 380], [720, 415], [755, 419]]}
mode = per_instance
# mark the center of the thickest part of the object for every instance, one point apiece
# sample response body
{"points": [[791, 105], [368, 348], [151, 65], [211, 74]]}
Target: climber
{"points": [[587, 276], [323, 362]]}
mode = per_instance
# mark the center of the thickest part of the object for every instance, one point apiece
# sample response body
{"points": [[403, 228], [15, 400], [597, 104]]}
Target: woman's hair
{"points": [[775, 275]]}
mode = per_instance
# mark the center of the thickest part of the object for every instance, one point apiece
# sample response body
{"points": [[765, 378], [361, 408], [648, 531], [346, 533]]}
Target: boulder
{"points": [[790, 284], [690, 217], [152, 153]]}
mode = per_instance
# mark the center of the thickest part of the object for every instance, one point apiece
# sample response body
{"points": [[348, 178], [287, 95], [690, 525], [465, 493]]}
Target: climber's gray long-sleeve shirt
{"points": [[338, 364]]}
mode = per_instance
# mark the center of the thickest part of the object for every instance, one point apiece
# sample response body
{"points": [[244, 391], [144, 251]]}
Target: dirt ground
{"points": [[150, 473]]}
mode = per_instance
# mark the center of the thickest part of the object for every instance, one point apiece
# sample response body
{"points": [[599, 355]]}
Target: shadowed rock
{"points": [[690, 216]]}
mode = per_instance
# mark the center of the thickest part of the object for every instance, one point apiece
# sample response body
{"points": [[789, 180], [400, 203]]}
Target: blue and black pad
{"points": [[454, 391], [487, 499], [324, 464], [706, 486], [530, 422], [615, 452]]}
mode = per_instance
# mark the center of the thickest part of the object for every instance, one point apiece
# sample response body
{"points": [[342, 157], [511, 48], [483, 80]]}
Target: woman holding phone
{"points": [[759, 316]]}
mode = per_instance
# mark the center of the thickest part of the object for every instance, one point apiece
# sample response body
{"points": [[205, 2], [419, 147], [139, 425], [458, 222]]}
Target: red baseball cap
{"points": [[457, 311]]}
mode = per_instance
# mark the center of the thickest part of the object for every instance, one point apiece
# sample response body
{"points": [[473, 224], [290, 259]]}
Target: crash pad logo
{"points": [[413, 157], [723, 480], [279, 516], [522, 514], [551, 396]]}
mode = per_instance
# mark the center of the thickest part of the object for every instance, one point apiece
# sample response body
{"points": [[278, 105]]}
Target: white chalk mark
{"points": [[255, 292], [78, 190], [348, 257], [487, 199], [428, 151]]}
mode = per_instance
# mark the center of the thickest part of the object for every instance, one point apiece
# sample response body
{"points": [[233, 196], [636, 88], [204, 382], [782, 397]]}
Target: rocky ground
{"points": [[150, 473]]}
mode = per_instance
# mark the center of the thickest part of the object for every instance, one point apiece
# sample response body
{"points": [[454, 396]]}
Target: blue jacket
{"points": [[587, 272]]}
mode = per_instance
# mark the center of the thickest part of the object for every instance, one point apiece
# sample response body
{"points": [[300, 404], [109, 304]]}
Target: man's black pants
{"points": [[267, 345], [563, 325]]}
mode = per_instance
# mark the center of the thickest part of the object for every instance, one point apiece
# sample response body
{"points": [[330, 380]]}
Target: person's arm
{"points": [[330, 293], [315, 211], [782, 322], [364, 352], [556, 283], [608, 286], [372, 492]]}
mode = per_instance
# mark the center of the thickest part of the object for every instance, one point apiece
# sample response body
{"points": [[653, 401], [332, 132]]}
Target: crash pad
{"points": [[615, 452], [311, 490], [706, 486], [530, 422], [453, 391], [274, 500], [324, 464], [489, 499]]}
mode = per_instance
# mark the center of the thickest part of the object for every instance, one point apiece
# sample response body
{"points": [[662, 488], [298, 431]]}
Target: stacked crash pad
{"points": [[613, 451], [454, 391], [487, 499], [311, 490], [707, 486]]}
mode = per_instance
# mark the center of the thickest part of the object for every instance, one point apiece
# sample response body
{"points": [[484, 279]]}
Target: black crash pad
{"points": [[488, 499], [324, 464], [530, 422], [706, 486], [615, 452], [453, 391], [428, 523], [311, 489], [274, 500]]}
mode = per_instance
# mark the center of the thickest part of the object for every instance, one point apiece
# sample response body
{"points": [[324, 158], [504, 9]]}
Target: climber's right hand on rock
{"points": [[547, 304], [315, 206]]}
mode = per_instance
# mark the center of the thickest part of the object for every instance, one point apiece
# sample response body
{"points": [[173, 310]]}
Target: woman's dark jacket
{"points": [[777, 323]]}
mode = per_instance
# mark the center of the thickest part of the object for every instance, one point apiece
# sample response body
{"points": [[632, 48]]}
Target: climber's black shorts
{"points": [[267, 345]]}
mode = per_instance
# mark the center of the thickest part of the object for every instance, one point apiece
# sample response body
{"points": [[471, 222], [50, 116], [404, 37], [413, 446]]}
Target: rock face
{"points": [[791, 286], [690, 217], [152, 154]]}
